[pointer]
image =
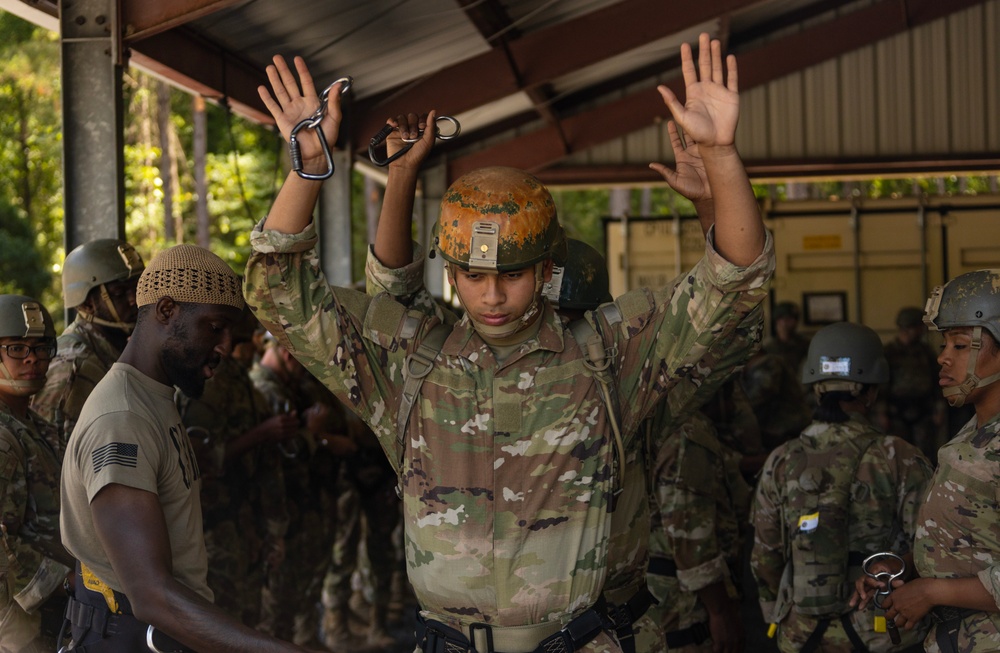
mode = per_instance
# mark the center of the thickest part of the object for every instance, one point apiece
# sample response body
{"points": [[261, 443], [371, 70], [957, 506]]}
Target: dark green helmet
{"points": [[24, 317], [95, 263], [846, 352], [969, 300], [582, 283]]}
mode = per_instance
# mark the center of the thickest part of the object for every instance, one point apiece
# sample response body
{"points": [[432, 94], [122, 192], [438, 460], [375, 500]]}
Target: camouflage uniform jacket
{"points": [[628, 546], [83, 358], [698, 503], [33, 561], [229, 407], [889, 483], [958, 532], [484, 545]]}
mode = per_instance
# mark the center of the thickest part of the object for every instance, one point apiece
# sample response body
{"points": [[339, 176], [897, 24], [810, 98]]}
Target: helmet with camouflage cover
{"points": [[496, 220], [969, 300], [95, 264], [23, 317], [581, 284], [845, 356]]}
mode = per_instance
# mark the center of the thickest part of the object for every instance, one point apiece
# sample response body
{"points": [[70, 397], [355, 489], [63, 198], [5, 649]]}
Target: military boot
{"points": [[337, 629], [378, 634]]}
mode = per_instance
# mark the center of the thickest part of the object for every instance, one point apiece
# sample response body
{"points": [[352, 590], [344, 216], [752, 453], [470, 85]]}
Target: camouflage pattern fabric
{"points": [[292, 590], [242, 499], [367, 510], [958, 527], [912, 395], [84, 356], [628, 543], [698, 502], [482, 544], [775, 394], [33, 562], [890, 480], [792, 351], [734, 421]]}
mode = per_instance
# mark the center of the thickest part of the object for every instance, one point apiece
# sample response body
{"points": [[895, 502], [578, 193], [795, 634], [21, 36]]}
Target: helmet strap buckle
{"points": [[34, 321]]}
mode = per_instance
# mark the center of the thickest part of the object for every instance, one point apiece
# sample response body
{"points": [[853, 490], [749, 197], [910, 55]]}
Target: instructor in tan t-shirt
{"points": [[131, 512]]}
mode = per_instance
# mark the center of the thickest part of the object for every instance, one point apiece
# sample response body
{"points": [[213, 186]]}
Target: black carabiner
{"points": [[313, 122], [382, 134]]}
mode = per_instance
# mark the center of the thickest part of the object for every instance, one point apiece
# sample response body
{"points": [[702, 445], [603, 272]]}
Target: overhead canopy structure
{"points": [[565, 88]]}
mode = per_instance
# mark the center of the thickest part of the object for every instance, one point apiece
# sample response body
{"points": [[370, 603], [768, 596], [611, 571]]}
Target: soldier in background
{"points": [[33, 562], [787, 343], [99, 279], [910, 404], [828, 499], [291, 596], [367, 512], [233, 430], [699, 503], [775, 394]]}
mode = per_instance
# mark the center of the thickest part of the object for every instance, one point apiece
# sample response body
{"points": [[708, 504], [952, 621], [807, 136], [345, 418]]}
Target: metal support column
{"points": [[93, 152], [334, 222]]}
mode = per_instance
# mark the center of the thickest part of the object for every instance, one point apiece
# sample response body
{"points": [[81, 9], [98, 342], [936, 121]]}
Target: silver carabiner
{"points": [[883, 576], [313, 122], [380, 137]]}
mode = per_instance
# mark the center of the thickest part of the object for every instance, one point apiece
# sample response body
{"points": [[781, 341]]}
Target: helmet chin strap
{"points": [[115, 323], [20, 388], [497, 334], [957, 394]]}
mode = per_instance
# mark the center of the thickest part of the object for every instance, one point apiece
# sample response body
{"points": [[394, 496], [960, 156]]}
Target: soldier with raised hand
{"points": [[830, 498], [33, 562], [99, 279], [507, 463], [957, 547]]}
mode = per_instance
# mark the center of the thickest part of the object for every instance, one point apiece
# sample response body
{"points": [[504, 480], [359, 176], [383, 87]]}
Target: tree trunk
{"points": [[200, 181], [166, 160]]}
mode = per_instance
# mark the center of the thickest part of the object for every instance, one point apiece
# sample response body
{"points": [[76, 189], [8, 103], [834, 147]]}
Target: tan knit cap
{"points": [[188, 273]]}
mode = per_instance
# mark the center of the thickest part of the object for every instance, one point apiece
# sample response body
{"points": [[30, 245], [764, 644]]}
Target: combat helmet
{"points": [[969, 300], [581, 284], [94, 264], [845, 356], [23, 317], [496, 220]]}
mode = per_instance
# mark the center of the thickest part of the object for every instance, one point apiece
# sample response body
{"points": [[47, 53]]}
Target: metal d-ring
{"points": [[382, 134]]}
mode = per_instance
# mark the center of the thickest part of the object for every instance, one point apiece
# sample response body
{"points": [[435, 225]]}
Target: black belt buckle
{"points": [[489, 637], [583, 629]]}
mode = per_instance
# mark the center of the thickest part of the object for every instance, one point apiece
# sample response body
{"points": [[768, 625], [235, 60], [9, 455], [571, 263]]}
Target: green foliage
{"points": [[22, 269]]}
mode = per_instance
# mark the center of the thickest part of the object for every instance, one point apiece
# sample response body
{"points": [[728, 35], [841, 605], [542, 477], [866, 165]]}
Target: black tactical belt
{"points": [[662, 567], [693, 634], [436, 637]]}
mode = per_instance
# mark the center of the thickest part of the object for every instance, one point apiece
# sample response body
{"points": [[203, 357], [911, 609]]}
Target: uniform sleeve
{"points": [[354, 344], [686, 339], [767, 560], [915, 472], [118, 448], [406, 285], [687, 493], [28, 575]]}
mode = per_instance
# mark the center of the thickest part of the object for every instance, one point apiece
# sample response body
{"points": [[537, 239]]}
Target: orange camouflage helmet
{"points": [[498, 219]]}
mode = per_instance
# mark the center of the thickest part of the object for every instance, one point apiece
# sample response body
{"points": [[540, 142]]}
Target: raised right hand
{"points": [[409, 126], [289, 104]]}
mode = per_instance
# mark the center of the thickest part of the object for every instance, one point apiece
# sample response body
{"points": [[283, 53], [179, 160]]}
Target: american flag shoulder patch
{"points": [[115, 453]]}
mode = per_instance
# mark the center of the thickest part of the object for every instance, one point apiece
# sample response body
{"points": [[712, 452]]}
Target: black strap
{"points": [[623, 617], [693, 634], [662, 567], [852, 635], [816, 637], [949, 623]]}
